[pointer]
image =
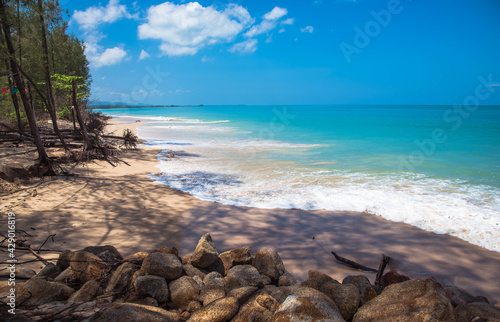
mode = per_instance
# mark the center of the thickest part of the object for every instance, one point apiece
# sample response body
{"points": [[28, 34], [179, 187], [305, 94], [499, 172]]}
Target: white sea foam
{"points": [[237, 170]]}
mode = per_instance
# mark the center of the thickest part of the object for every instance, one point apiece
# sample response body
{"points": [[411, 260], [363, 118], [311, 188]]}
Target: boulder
{"points": [[345, 296], [238, 256], [170, 250], [108, 253], [86, 293], [161, 264], [287, 279], [269, 263], [392, 277], [472, 311], [50, 270], [242, 294], [420, 299], [67, 276], [307, 304], [317, 280], [218, 311], [121, 278], [117, 312], [365, 289], [260, 307], [63, 260], [183, 291], [216, 266], [280, 293], [243, 275], [152, 286], [205, 253], [192, 271], [193, 306], [38, 291], [213, 288], [87, 266], [136, 258]]}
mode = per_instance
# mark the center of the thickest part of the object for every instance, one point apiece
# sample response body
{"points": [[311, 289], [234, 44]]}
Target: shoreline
{"points": [[121, 206]]}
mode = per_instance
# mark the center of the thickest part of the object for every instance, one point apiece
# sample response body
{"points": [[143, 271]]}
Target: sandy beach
{"points": [[121, 206]]}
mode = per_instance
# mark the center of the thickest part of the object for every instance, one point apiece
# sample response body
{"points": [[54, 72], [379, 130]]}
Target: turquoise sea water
{"points": [[434, 167]]}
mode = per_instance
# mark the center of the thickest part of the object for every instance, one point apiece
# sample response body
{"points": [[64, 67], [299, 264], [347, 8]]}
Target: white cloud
{"points": [[308, 29], [186, 28], [269, 22], [288, 21], [144, 54], [206, 59], [92, 17], [110, 56], [246, 47], [89, 20], [276, 13]]}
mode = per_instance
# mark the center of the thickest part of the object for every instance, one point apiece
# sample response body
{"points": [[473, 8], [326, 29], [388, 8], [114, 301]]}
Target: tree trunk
{"points": [[83, 127], [14, 99], [51, 106], [42, 154]]}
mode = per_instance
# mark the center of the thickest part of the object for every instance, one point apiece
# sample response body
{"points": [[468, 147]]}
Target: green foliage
{"points": [[66, 51]]}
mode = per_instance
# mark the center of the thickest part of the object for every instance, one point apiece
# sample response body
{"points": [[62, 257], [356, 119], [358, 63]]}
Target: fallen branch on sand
{"points": [[353, 264]]}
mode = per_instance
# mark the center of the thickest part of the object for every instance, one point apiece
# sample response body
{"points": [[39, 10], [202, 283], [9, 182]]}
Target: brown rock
{"points": [[280, 293], [471, 311], [217, 266], [38, 291], [392, 278], [86, 293], [269, 263], [50, 270], [121, 278], [260, 307], [87, 266], [186, 259], [213, 288], [242, 275], [67, 276], [205, 253], [63, 260], [413, 300], [242, 294], [218, 311], [307, 304], [136, 258], [365, 289], [317, 280], [287, 279], [183, 291], [108, 253], [345, 296], [161, 264], [192, 271], [193, 306], [170, 250], [238, 256], [118, 312], [152, 286]]}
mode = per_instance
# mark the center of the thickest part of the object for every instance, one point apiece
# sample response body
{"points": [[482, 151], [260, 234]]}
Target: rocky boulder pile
{"points": [[99, 284]]}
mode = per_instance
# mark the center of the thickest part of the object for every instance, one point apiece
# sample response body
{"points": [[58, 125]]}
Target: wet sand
{"points": [[120, 206]]}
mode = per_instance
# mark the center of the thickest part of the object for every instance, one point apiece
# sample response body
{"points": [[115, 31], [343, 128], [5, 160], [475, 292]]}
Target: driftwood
{"points": [[353, 264], [381, 268]]}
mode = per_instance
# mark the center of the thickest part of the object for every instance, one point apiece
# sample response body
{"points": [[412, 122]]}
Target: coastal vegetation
{"points": [[45, 79]]}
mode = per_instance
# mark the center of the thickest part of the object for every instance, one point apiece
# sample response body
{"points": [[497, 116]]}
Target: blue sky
{"points": [[291, 52]]}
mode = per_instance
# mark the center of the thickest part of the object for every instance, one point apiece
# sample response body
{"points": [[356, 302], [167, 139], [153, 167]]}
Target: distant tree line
{"points": [[43, 68]]}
